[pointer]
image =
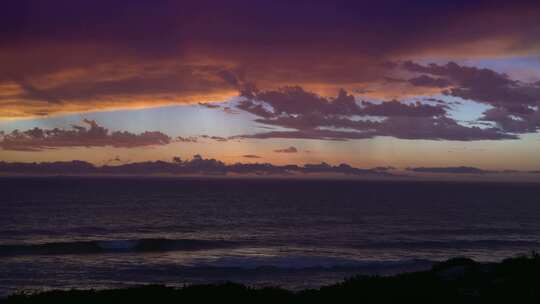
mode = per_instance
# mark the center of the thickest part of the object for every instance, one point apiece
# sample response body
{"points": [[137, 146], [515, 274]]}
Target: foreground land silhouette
{"points": [[459, 280]]}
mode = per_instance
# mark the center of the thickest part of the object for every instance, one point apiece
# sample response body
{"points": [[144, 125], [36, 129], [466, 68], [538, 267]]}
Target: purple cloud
{"points": [[195, 166], [251, 156], [216, 138], [92, 135], [515, 103], [190, 139], [315, 117], [182, 59], [452, 170], [290, 149], [396, 108], [426, 81]]}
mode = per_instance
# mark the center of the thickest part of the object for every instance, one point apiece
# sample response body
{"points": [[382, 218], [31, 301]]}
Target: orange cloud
{"points": [[108, 56]]}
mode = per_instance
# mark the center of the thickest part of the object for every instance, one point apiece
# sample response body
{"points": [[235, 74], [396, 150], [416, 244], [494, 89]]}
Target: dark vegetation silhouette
{"points": [[459, 280]]}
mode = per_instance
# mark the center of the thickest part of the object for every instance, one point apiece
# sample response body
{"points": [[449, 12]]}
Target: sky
{"points": [[442, 87]]}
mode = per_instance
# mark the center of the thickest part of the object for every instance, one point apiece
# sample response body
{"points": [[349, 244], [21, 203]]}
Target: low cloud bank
{"points": [[452, 170], [91, 134], [195, 166]]}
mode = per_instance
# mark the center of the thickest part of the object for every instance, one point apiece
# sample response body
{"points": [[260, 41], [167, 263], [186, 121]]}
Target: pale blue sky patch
{"points": [[181, 120], [464, 109]]}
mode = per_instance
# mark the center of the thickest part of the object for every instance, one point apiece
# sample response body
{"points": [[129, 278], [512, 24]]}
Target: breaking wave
{"points": [[112, 246]]}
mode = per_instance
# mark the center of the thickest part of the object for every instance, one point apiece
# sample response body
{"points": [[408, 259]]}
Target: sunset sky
{"points": [[406, 84]]}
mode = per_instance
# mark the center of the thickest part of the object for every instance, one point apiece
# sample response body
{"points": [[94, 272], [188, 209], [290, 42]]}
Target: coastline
{"points": [[458, 280]]}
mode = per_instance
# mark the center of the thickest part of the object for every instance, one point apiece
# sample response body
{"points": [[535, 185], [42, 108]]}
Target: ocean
{"points": [[107, 232]]}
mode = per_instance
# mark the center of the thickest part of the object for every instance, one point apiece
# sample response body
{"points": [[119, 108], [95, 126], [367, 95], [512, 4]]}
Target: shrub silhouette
{"points": [[459, 280]]}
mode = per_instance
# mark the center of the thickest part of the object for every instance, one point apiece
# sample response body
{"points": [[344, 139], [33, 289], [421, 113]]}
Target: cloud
{"points": [[66, 167], [91, 135], [396, 108], [251, 156], [426, 81], [115, 160], [209, 105], [195, 166], [515, 104], [229, 77], [190, 139], [199, 165], [216, 138], [384, 168], [102, 55], [465, 170], [114, 86], [482, 85], [290, 149], [312, 116], [451, 170], [307, 134], [295, 100], [256, 109]]}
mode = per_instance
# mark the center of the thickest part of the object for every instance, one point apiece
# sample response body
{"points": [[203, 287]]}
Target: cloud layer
{"points": [[290, 149], [195, 166], [69, 56], [311, 116], [450, 170], [515, 104], [91, 135]]}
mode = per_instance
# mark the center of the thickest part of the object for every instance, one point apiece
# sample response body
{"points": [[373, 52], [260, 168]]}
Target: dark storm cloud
{"points": [[511, 122], [140, 22], [482, 85], [316, 117], [515, 103], [430, 129], [296, 101], [426, 81], [254, 108], [56, 51], [438, 128], [195, 166], [93, 135], [229, 77], [396, 108], [170, 80]]}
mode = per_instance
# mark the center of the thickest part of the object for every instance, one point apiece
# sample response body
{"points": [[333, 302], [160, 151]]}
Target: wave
{"points": [[450, 244], [302, 263], [163, 245], [470, 231], [112, 246], [271, 268]]}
